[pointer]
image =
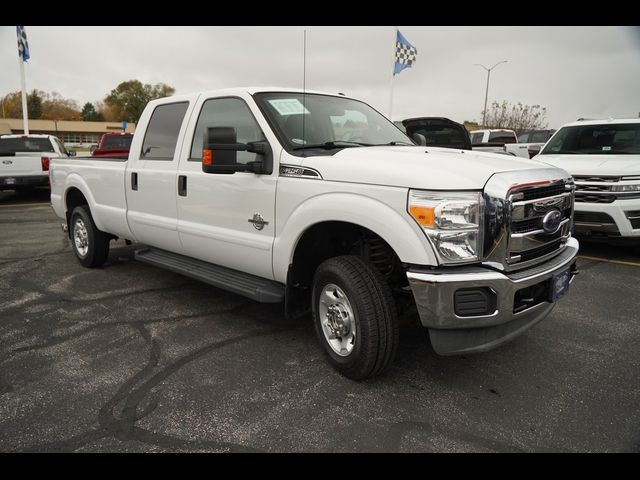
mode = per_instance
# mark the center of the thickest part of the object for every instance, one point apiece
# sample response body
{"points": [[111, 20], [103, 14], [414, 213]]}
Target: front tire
{"points": [[354, 316], [90, 245]]}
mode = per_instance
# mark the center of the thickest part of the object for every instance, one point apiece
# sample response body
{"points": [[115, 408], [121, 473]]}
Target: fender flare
{"points": [[400, 232]]}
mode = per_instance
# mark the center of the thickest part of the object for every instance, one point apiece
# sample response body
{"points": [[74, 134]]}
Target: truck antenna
{"points": [[304, 81]]}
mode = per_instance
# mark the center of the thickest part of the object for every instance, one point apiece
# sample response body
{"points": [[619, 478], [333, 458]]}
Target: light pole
{"points": [[486, 92]]}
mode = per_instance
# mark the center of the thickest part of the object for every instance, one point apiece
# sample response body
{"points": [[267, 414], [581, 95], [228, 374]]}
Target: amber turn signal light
{"points": [[425, 216], [207, 157]]}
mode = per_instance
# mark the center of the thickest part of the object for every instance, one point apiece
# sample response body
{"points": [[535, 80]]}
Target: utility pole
{"points": [[486, 92]]}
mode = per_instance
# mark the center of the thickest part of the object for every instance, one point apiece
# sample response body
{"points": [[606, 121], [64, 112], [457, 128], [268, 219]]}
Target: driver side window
{"points": [[227, 112]]}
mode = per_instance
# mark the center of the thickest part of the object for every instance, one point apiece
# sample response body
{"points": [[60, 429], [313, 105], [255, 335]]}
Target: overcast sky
{"points": [[573, 71]]}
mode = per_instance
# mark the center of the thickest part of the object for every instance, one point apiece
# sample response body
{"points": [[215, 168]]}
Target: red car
{"points": [[114, 145]]}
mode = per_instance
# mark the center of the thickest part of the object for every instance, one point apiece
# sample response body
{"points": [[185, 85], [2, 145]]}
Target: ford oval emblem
{"points": [[551, 221]]}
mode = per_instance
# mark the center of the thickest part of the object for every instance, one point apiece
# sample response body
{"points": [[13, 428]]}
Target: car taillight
{"points": [[45, 163]]}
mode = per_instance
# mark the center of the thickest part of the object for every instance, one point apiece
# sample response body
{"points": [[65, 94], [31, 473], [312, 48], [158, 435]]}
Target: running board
{"points": [[256, 288]]}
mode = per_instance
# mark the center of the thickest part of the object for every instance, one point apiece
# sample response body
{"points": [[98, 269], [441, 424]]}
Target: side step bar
{"points": [[256, 288]]}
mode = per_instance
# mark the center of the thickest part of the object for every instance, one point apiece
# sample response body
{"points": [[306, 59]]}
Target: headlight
{"points": [[626, 188], [451, 220]]}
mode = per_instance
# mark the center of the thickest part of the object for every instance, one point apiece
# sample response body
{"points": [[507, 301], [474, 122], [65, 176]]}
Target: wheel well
{"points": [[331, 239], [73, 199]]}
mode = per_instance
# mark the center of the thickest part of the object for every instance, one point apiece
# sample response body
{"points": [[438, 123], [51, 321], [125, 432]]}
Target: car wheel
{"points": [[90, 245], [354, 316]]}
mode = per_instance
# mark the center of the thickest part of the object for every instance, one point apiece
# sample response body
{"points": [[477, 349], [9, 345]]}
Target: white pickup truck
{"points": [[529, 143], [24, 160], [604, 158], [492, 140], [259, 192]]}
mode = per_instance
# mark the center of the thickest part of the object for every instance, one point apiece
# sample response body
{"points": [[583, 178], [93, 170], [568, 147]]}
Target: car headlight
{"points": [[626, 188], [451, 221]]}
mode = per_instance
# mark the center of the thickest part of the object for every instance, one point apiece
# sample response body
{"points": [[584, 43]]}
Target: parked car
{"points": [[436, 132], [254, 191], [604, 158], [492, 140], [113, 145], [528, 141], [24, 160]]}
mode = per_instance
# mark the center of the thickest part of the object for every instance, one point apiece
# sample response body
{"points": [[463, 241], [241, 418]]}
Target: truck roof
{"points": [[612, 121], [31, 135], [240, 90]]}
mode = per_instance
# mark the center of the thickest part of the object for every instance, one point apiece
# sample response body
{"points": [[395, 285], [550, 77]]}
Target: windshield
{"points": [[116, 142], [330, 123], [28, 144], [621, 139]]}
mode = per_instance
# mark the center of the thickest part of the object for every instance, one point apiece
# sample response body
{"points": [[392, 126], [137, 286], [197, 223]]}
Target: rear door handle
{"points": [[134, 181], [182, 185]]}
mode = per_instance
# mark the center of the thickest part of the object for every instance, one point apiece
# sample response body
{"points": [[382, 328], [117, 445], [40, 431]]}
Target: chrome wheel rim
{"points": [[337, 319], [80, 237]]}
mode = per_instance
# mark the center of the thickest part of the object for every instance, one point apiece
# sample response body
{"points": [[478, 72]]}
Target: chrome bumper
{"points": [[451, 334]]}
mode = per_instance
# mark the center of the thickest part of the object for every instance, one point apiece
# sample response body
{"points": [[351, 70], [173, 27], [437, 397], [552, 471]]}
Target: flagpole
{"points": [[25, 114], [393, 65]]}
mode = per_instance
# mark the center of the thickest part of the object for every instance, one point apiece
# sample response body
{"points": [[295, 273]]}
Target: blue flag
{"points": [[23, 45], [405, 54]]}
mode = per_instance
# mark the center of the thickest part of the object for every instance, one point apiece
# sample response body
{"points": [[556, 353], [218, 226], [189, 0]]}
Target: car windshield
{"points": [[25, 144], [326, 123], [621, 139], [117, 142]]}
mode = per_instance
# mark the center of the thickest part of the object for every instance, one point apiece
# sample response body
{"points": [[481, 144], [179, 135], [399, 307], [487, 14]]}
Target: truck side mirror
{"points": [[220, 153]]}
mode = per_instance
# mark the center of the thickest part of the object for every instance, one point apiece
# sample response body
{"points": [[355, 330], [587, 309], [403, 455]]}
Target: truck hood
{"points": [[594, 164], [416, 167]]}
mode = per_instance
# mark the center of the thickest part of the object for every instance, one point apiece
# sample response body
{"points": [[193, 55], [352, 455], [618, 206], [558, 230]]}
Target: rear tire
{"points": [[90, 245], [354, 316]]}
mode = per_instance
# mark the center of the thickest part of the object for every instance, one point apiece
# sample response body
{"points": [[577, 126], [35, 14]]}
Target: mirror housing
{"points": [[220, 153]]}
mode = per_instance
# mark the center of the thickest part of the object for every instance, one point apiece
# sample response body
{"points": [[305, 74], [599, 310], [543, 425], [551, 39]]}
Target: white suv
{"points": [[603, 156]]}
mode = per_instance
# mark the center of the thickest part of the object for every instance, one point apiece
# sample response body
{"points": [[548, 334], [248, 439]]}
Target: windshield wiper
{"points": [[391, 144], [332, 145]]}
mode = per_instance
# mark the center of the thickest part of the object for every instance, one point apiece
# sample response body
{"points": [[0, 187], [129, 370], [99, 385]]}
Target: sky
{"points": [[591, 72]]}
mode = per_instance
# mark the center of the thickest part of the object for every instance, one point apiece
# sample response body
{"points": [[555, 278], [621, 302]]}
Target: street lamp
{"points": [[486, 93]]}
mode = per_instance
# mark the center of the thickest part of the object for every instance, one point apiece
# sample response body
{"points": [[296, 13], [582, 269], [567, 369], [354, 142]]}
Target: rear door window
{"points": [[162, 133], [539, 137]]}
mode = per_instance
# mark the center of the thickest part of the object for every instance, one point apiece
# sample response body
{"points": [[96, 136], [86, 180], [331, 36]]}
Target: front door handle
{"points": [[182, 185], [134, 181]]}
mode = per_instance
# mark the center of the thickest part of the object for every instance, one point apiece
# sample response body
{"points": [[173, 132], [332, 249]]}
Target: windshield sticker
{"points": [[299, 141], [606, 149], [288, 106]]}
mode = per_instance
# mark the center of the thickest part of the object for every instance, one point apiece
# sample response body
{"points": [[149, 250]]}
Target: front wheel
{"points": [[354, 316], [90, 245]]}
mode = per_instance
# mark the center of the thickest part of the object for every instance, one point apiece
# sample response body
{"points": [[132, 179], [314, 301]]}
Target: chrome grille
{"points": [[515, 236], [601, 189]]}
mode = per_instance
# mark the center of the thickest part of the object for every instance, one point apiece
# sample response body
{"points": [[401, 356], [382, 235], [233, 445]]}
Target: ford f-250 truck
{"points": [[259, 192]]}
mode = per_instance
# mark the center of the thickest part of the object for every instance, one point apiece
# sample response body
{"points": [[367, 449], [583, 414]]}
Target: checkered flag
{"points": [[405, 54], [23, 45]]}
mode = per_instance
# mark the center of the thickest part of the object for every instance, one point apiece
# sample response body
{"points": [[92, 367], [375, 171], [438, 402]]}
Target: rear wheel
{"points": [[354, 316], [90, 245]]}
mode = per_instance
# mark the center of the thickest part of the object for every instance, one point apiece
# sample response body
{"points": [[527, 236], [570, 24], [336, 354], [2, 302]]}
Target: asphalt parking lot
{"points": [[133, 358]]}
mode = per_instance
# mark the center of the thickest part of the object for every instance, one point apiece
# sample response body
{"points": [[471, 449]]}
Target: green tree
{"points": [[34, 104], [516, 117], [132, 96], [89, 113]]}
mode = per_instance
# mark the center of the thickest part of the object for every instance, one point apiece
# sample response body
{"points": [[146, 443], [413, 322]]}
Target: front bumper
{"points": [[451, 334], [617, 219]]}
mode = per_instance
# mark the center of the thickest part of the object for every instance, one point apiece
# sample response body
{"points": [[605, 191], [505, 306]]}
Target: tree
{"points": [[130, 98], [34, 104], [90, 114], [56, 107], [516, 117], [12, 105]]}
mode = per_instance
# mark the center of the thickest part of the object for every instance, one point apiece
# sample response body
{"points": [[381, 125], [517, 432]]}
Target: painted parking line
{"points": [[25, 205], [619, 262]]}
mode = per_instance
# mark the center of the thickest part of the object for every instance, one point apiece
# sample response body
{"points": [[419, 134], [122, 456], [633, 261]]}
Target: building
{"points": [[72, 133]]}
